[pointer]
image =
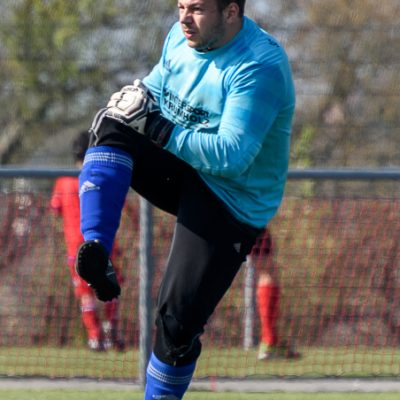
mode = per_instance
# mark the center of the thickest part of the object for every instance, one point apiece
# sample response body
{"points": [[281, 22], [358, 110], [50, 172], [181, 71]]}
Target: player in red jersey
{"points": [[268, 296], [65, 203]]}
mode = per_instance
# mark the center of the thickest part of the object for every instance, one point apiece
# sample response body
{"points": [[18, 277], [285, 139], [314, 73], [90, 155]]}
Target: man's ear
{"points": [[231, 12]]}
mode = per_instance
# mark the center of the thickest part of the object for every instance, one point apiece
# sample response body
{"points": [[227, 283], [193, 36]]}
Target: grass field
{"points": [[231, 362], [115, 395]]}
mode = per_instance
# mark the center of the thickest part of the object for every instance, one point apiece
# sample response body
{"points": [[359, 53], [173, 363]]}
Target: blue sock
{"points": [[103, 184], [164, 380]]}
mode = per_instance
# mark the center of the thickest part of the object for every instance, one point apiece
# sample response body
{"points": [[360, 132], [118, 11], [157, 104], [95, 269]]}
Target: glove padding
{"points": [[132, 105]]}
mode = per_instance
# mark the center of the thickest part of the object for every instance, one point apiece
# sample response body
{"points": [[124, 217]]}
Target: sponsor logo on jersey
{"points": [[183, 112]]}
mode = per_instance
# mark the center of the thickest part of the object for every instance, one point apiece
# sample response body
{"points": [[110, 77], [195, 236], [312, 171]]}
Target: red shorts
{"points": [[263, 245], [261, 253]]}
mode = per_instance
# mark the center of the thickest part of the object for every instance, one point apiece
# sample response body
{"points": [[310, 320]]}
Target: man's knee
{"points": [[177, 342], [114, 134]]}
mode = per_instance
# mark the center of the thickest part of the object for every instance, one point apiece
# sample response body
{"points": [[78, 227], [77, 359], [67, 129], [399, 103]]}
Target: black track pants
{"points": [[208, 247]]}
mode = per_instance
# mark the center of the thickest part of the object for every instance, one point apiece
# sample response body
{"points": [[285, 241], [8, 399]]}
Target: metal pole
{"points": [[249, 305], [146, 275]]}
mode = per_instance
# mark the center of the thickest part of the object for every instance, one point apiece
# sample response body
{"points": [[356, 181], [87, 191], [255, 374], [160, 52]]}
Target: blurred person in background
{"points": [[268, 294], [20, 216], [65, 204]]}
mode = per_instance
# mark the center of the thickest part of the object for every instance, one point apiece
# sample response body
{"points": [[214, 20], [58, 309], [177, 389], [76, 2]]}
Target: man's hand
{"points": [[132, 105]]}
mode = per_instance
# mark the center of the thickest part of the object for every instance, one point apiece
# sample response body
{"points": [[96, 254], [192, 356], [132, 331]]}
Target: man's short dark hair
{"points": [[80, 145], [222, 4]]}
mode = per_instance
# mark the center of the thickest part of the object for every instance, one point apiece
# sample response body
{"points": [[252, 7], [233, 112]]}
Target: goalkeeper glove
{"points": [[134, 105]]}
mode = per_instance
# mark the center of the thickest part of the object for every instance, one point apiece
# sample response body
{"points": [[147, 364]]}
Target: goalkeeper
{"points": [[205, 136]]}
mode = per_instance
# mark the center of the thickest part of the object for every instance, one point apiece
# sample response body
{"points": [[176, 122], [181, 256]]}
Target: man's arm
{"points": [[56, 201], [251, 108]]}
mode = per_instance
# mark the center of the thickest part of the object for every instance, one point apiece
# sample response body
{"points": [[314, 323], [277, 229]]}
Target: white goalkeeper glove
{"points": [[134, 105]]}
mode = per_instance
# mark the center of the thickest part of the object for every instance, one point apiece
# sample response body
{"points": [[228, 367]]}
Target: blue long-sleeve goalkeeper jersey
{"points": [[233, 109]]}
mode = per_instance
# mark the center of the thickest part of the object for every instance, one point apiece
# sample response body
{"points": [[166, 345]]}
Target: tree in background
{"points": [[355, 51], [345, 56], [63, 52]]}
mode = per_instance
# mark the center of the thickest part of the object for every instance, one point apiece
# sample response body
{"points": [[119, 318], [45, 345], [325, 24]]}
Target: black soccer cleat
{"points": [[94, 267]]}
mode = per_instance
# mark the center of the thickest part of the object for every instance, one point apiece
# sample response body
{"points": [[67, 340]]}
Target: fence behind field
{"points": [[338, 257]]}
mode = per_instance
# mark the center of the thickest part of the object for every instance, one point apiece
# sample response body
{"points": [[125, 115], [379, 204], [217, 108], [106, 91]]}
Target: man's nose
{"points": [[185, 17]]}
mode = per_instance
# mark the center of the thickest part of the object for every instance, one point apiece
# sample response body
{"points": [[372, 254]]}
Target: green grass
{"points": [[231, 362], [122, 395]]}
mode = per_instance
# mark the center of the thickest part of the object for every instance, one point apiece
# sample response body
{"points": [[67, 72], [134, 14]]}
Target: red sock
{"points": [[268, 308], [91, 323]]}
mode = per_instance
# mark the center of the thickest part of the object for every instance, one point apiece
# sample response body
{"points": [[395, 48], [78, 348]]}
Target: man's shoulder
{"points": [[264, 47]]}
